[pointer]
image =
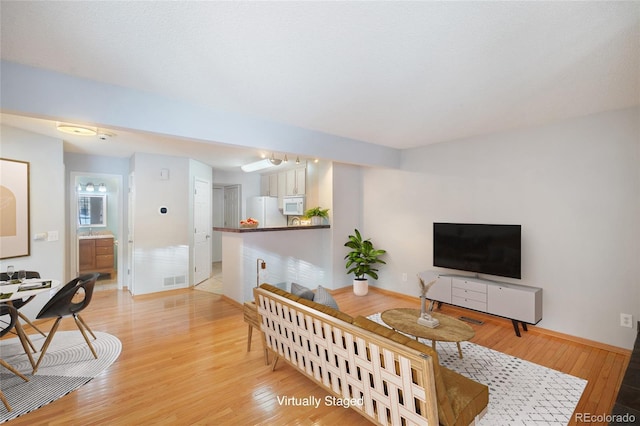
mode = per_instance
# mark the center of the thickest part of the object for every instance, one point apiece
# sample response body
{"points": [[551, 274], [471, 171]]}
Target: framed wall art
{"points": [[14, 208]]}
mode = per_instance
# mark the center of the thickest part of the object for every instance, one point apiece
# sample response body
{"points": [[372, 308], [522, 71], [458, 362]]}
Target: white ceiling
{"points": [[397, 74]]}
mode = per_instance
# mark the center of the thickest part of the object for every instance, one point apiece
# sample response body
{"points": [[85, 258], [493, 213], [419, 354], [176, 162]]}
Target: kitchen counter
{"points": [[278, 228], [94, 236]]}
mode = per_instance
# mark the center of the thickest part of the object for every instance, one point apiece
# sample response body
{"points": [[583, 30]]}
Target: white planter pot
{"points": [[316, 220], [360, 287]]}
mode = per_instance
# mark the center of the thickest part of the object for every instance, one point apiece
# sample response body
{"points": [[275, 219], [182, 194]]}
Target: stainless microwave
{"points": [[293, 206]]}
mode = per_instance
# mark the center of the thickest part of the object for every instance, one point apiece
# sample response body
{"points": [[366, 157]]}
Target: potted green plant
{"points": [[317, 215], [361, 261]]}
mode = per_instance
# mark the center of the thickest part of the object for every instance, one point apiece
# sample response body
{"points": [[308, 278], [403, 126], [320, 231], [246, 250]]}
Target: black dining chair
{"points": [[65, 303], [9, 316], [19, 303]]}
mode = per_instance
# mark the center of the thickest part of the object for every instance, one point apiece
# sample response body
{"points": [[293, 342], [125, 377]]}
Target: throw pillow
{"points": [[324, 298], [301, 291]]}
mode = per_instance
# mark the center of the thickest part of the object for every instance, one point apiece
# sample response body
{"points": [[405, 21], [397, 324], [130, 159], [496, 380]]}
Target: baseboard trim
{"points": [[232, 301], [507, 322], [582, 340]]}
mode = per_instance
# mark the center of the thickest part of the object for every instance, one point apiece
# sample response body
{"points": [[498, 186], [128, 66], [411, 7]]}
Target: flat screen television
{"points": [[485, 249]]}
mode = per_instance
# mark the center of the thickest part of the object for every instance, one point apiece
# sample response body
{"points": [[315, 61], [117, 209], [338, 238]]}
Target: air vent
{"points": [[174, 281]]}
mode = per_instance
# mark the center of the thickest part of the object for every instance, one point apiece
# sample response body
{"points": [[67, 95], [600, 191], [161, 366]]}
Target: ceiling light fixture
{"points": [[260, 165], [90, 187], [104, 136], [77, 130], [297, 160], [286, 160]]}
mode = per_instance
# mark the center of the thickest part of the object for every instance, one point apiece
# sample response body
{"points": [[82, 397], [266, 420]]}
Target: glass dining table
{"points": [[10, 290]]}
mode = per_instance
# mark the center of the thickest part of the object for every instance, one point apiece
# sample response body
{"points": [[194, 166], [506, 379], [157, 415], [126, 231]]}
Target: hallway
{"points": [[214, 283]]}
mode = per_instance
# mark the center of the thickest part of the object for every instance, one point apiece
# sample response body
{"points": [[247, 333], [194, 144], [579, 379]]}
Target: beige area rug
{"points": [[521, 393]]}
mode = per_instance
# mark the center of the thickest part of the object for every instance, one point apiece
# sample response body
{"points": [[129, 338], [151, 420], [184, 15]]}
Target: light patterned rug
{"points": [[67, 365], [520, 392]]}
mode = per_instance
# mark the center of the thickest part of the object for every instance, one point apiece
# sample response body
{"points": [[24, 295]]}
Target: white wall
{"points": [[47, 205], [161, 247], [574, 187], [347, 214]]}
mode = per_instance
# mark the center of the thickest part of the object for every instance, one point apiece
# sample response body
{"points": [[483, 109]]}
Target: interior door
{"points": [[218, 221], [232, 206], [130, 240], [202, 230]]}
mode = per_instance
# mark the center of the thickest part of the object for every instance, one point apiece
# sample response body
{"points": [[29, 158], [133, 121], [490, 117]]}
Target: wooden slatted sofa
{"points": [[389, 378]]}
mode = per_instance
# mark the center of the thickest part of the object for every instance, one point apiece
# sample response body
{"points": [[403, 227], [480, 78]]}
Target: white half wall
{"points": [[574, 186], [300, 256]]}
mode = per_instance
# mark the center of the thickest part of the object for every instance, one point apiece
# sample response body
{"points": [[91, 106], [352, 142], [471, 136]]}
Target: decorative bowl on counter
{"points": [[249, 223]]}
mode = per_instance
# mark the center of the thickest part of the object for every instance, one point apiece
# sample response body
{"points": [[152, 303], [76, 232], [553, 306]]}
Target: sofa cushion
{"points": [[317, 306], [302, 291], [280, 292], [468, 398], [323, 297]]}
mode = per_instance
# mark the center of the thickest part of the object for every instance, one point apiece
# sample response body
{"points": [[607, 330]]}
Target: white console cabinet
{"points": [[519, 303]]}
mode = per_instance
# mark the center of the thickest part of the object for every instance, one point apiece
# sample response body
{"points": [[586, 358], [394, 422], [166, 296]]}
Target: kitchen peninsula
{"points": [[275, 228], [299, 254]]}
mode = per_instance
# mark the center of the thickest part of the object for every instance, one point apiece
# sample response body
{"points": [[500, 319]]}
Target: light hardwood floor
{"points": [[184, 362]]}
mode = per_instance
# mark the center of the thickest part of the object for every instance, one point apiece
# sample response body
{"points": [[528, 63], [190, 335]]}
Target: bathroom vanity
{"points": [[95, 249], [96, 254]]}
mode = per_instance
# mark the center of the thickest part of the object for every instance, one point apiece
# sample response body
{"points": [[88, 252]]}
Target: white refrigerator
{"points": [[265, 211]]}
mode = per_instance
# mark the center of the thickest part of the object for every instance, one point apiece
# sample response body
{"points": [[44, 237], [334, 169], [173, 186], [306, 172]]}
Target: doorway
{"points": [[84, 255], [225, 213], [131, 197], [201, 230], [232, 205]]}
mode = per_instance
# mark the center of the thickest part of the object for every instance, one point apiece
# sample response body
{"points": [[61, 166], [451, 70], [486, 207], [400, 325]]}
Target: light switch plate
{"points": [[52, 236]]}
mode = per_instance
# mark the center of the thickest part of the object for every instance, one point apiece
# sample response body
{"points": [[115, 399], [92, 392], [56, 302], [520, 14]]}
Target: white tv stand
{"points": [[519, 303]]}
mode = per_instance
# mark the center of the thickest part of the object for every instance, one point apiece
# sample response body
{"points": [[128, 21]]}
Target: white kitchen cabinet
{"points": [[273, 185], [282, 187], [296, 181], [269, 184]]}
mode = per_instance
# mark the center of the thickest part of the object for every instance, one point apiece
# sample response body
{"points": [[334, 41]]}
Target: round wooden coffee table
{"points": [[450, 329]]}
